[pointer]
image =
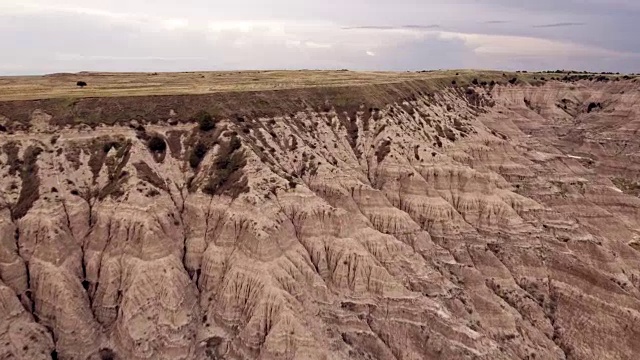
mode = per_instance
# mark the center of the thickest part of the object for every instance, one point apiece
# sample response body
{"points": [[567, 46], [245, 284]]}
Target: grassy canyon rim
{"points": [[152, 98], [107, 84]]}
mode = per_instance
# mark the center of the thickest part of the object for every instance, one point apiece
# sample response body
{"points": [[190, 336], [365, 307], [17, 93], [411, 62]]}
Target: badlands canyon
{"points": [[436, 215]]}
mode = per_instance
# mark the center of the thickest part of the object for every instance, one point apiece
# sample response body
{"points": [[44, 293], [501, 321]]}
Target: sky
{"points": [[49, 36]]}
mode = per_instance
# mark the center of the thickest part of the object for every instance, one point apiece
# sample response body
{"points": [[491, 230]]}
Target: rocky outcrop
{"points": [[497, 222]]}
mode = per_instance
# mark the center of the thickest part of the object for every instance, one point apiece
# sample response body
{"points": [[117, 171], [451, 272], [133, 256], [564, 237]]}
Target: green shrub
{"points": [[234, 144], [205, 121], [228, 177], [197, 154]]}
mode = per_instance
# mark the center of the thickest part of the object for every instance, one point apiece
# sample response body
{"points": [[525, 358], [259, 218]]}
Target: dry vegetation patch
{"points": [[29, 192]]}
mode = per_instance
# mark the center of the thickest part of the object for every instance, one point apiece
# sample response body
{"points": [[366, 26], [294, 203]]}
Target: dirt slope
{"points": [[432, 222]]}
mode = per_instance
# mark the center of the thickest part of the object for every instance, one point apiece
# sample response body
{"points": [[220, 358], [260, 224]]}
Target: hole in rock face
{"points": [[157, 144], [107, 354]]}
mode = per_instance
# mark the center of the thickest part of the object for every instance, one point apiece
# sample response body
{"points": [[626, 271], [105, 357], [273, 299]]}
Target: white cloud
{"points": [[503, 45], [315, 45], [80, 57], [141, 20], [370, 53], [269, 27], [28, 7], [293, 43], [175, 24]]}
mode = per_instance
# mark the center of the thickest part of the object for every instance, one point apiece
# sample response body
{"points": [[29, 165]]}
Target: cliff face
{"points": [[489, 223]]}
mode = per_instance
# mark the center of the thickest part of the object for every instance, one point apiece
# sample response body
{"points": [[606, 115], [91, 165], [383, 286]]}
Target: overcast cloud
{"points": [[46, 36]]}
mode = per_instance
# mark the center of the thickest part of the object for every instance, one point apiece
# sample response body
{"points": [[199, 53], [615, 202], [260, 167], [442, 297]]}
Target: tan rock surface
{"points": [[494, 223]]}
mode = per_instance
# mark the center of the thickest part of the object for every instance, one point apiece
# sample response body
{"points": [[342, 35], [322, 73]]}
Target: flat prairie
{"points": [[138, 84]]}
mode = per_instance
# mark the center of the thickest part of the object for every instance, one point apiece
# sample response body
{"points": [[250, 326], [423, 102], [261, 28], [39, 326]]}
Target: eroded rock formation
{"points": [[491, 223]]}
